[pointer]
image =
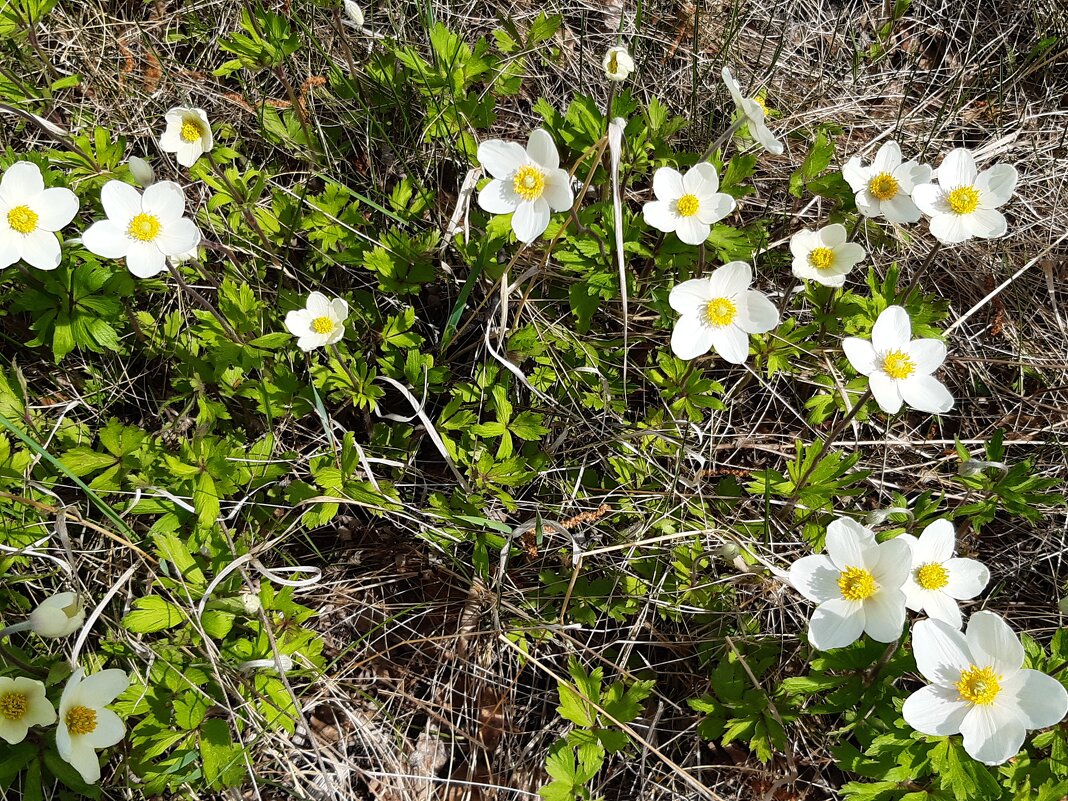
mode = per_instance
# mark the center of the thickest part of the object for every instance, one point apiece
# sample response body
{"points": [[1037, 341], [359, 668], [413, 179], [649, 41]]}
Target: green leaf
{"points": [[224, 763], [152, 613]]}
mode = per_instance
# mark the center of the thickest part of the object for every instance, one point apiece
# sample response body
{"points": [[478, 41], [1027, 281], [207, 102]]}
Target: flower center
{"points": [[963, 200], [856, 584], [760, 102], [979, 685], [144, 227], [191, 131], [687, 205], [23, 219], [322, 325], [898, 365], [932, 576], [529, 182], [883, 186], [720, 312], [13, 706], [821, 258], [81, 720], [613, 63]]}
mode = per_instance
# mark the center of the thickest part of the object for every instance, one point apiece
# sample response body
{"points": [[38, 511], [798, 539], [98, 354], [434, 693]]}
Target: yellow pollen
{"points": [[898, 365], [191, 131], [821, 258], [720, 312], [529, 182], [13, 706], [687, 205], [144, 227], [760, 102], [963, 200], [322, 325], [81, 720], [613, 63], [883, 186], [979, 685], [856, 584], [932, 576], [23, 219]]}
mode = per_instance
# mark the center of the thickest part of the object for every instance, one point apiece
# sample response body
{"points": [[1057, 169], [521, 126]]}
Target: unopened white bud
{"points": [[142, 171], [58, 616], [354, 13]]}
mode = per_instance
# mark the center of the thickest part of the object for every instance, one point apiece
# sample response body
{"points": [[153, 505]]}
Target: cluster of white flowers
{"points": [[978, 687], [84, 724]]}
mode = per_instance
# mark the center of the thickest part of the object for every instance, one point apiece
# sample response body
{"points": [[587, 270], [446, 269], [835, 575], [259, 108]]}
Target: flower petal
{"points": [[121, 202], [816, 578], [860, 353], [941, 652], [542, 149], [803, 242], [930, 199], [104, 687], [936, 542], [927, 355], [40, 249], [993, 643], [833, 235], [761, 133], [847, 255], [668, 184], [1041, 700], [558, 192], [836, 624], [82, 758], [690, 338], [884, 615], [996, 185], [949, 229], [658, 214], [967, 578], [500, 159], [957, 169], [855, 174], [339, 309], [891, 563], [886, 392], [731, 343], [145, 260], [109, 730], [985, 223], [178, 237], [691, 230], [21, 181], [701, 179], [937, 711], [892, 330], [715, 207], [165, 200], [940, 606], [756, 314], [926, 393], [887, 159], [849, 544], [910, 174], [992, 734], [55, 208], [733, 87], [530, 220], [690, 297], [730, 280], [298, 322], [498, 197], [105, 238], [900, 209]]}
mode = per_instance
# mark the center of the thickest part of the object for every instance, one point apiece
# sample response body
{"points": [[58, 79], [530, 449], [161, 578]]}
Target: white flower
{"points": [[720, 312], [58, 615], [979, 688], [321, 322], [187, 135], [898, 367], [23, 704], [30, 215], [617, 64], [526, 183], [753, 110], [687, 204], [857, 585], [824, 256], [142, 171], [964, 202], [144, 228], [354, 14], [85, 724], [937, 579], [884, 187]]}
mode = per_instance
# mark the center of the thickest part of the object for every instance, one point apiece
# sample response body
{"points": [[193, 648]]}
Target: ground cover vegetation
{"points": [[575, 403]]}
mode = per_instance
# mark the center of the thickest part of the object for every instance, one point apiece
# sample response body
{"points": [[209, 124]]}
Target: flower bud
{"points": [[58, 616], [354, 13], [251, 603], [142, 171], [617, 64]]}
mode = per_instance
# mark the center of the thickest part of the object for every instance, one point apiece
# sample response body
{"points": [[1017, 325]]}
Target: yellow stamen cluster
{"points": [[687, 205], [898, 365], [191, 131], [529, 182], [720, 312], [979, 685], [883, 186], [22, 219], [821, 258], [81, 720], [856, 584], [963, 200], [322, 325], [13, 706], [932, 576], [143, 227]]}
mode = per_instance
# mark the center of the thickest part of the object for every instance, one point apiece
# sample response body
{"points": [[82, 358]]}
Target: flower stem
{"points": [[726, 135], [206, 304], [923, 269]]}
